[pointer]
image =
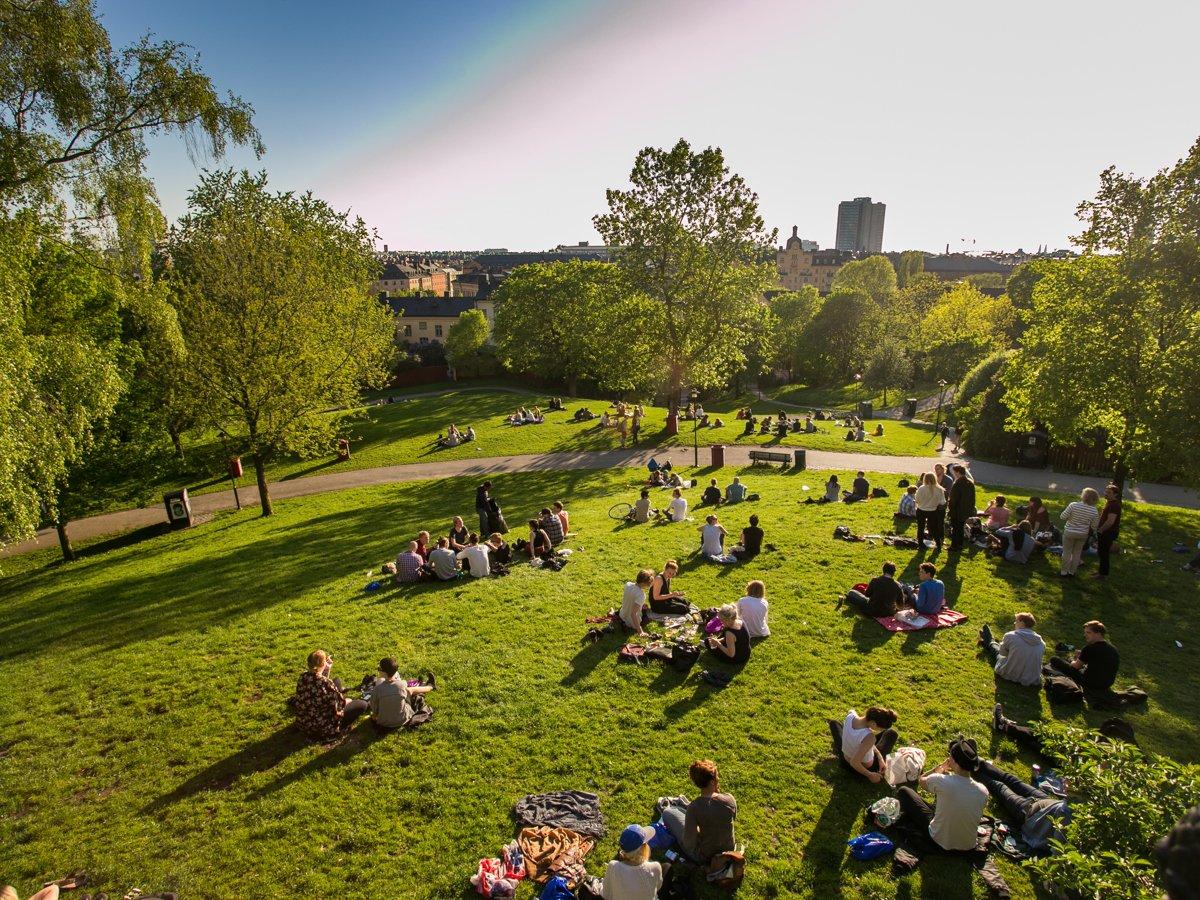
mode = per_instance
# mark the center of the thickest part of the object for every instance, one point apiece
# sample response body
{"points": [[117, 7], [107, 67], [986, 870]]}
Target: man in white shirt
{"points": [[712, 535], [753, 610], [476, 555], [633, 601], [953, 821], [678, 506]]}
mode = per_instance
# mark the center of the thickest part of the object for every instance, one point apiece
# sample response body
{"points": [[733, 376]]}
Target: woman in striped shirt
{"points": [[1081, 518]]}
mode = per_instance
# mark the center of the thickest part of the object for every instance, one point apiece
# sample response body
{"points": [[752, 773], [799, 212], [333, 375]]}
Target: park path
{"points": [[207, 504]]}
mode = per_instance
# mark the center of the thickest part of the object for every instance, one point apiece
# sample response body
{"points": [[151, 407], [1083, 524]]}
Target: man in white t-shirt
{"points": [[633, 601], [753, 610], [712, 534], [678, 506], [953, 821], [476, 555]]}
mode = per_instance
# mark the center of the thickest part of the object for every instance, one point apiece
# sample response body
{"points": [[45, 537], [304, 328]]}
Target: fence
{"points": [[1080, 460], [422, 375]]}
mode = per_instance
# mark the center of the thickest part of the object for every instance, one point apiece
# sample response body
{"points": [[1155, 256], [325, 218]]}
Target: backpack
{"points": [[727, 870], [633, 653], [878, 492], [842, 531], [684, 656], [1118, 729], [1060, 689]]}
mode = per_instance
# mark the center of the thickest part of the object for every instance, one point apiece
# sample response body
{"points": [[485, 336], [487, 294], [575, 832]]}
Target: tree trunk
{"points": [[264, 490], [573, 385], [1120, 473], [64, 539], [176, 442]]}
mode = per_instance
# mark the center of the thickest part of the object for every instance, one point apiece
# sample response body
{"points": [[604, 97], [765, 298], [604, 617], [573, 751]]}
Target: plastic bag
{"points": [[904, 765], [870, 845]]}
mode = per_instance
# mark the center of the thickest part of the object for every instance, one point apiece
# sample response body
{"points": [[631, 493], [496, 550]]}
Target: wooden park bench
{"points": [[770, 456]]}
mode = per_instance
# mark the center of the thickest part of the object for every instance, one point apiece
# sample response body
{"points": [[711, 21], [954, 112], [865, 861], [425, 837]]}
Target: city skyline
{"points": [[477, 125]]}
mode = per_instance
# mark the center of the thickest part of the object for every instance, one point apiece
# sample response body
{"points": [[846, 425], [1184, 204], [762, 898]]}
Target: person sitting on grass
{"points": [[458, 535], [390, 694], [499, 552], [663, 600], [711, 495], [833, 490], [553, 526], [997, 513], [882, 597], [559, 510], [861, 489], [749, 427], [323, 711], [704, 827], [674, 480], [865, 741], [953, 821], [712, 537], [642, 511], [409, 565], [931, 592], [633, 875], [452, 438], [423, 547], [605, 421], [470, 435], [633, 601], [732, 644], [540, 546], [878, 429], [908, 503], [861, 434], [751, 544], [1037, 516], [1094, 667], [1040, 815], [764, 427], [678, 507], [851, 434], [810, 427], [1018, 655], [1016, 545], [753, 609], [657, 478], [475, 555], [444, 561], [735, 492]]}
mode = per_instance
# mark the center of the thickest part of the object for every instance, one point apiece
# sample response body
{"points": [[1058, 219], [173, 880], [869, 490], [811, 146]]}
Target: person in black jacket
{"points": [[882, 598], [961, 506], [482, 496]]}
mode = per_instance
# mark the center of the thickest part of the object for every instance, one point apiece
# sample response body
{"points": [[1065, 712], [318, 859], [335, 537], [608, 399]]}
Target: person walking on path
{"points": [[961, 506], [1110, 527], [1081, 518]]}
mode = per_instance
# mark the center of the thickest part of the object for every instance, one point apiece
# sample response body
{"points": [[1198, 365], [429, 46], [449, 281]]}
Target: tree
{"points": [[838, 340], [873, 276], [273, 291], [888, 367], [912, 263], [692, 240], [922, 290], [793, 311], [963, 327], [577, 319], [982, 413], [466, 337]]}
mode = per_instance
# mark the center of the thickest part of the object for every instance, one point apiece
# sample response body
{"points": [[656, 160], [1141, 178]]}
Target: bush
{"points": [[981, 377], [982, 413], [1123, 801]]}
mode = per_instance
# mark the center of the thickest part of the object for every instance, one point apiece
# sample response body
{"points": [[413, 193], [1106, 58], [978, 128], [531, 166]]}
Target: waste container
{"points": [[910, 408], [235, 467], [1034, 450], [718, 456], [179, 509], [865, 409], [801, 458], [672, 424]]}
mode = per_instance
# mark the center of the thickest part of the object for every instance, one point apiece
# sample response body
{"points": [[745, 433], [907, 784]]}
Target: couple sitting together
{"points": [[885, 596], [734, 493], [453, 437], [324, 712], [712, 541]]}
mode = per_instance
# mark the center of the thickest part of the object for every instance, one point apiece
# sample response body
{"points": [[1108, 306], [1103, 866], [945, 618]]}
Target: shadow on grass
{"points": [[311, 470], [586, 660], [825, 851], [362, 736]]}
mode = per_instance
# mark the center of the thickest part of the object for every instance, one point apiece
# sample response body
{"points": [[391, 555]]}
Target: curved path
{"points": [[207, 504]]}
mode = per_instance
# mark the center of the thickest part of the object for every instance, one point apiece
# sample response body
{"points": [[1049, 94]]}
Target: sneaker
{"points": [[841, 599], [998, 720], [431, 680]]}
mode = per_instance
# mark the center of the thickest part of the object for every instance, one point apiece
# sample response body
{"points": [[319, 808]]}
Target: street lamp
{"points": [[695, 395], [941, 399]]}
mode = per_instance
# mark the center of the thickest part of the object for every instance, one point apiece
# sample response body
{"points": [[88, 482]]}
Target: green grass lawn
{"points": [[406, 432], [845, 396], [145, 736]]}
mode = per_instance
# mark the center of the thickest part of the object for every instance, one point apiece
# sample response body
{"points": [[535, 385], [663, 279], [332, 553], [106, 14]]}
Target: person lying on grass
{"points": [[663, 600], [711, 495], [865, 741], [753, 608], [444, 561], [752, 540], [704, 827], [633, 601], [390, 696], [1016, 545], [712, 537], [1040, 815], [539, 542], [732, 644], [323, 712]]}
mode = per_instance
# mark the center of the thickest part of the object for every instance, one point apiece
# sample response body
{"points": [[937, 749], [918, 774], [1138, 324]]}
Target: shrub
{"points": [[982, 413]]}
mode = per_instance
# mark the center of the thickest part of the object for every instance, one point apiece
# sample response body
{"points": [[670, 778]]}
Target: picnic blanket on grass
{"points": [[576, 810], [947, 618], [554, 851]]}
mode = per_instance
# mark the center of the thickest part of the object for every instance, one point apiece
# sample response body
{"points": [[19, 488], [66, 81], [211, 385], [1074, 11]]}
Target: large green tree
{"points": [[570, 320], [961, 328], [838, 341], [466, 337], [793, 311], [1113, 338], [281, 328], [690, 237], [873, 276]]}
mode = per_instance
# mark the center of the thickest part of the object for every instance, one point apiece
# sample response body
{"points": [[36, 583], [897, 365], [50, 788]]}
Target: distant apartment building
{"points": [[584, 250], [801, 263], [957, 266], [407, 275], [427, 320], [860, 226]]}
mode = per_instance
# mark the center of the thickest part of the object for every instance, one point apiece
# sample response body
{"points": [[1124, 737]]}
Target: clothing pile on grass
{"points": [[556, 832], [843, 533], [676, 640]]}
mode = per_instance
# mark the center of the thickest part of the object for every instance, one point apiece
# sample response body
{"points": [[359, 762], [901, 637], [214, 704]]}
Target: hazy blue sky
{"points": [[500, 124]]}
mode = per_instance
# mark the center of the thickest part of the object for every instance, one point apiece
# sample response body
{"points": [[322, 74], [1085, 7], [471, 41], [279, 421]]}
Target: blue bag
{"points": [[663, 839], [870, 845], [556, 889]]}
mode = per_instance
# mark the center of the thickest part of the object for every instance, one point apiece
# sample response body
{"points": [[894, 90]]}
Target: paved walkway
{"points": [[207, 504]]}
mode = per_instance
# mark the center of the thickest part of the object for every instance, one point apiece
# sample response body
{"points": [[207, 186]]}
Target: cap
{"points": [[964, 751], [634, 836]]}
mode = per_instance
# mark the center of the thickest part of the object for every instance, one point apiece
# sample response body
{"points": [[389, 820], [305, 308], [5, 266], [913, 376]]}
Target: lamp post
{"points": [[695, 395], [941, 399]]}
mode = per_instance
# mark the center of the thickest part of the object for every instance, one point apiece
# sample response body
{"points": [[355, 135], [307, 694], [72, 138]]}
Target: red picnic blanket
{"points": [[947, 618]]}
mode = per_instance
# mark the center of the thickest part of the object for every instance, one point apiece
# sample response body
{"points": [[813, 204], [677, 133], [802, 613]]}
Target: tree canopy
{"points": [[691, 239], [466, 337], [873, 276]]}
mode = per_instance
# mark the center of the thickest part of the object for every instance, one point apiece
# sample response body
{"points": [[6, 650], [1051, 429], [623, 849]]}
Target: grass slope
{"points": [[145, 736]]}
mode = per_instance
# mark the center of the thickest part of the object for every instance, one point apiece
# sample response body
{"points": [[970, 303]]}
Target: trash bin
{"points": [[801, 458], [718, 456], [235, 467], [672, 424], [910, 408], [179, 509], [1034, 450], [865, 409]]}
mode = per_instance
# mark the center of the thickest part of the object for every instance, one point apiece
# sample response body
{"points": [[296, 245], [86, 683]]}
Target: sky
{"points": [[472, 124]]}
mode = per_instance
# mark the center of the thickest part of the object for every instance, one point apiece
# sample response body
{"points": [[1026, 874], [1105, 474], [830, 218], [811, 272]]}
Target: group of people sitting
{"points": [[780, 425], [735, 492], [712, 541], [859, 433], [324, 712], [885, 596], [860, 489], [522, 416], [453, 437], [1017, 656]]}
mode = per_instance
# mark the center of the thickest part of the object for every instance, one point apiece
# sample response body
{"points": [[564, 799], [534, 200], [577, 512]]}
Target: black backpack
{"points": [[684, 656], [1060, 689]]}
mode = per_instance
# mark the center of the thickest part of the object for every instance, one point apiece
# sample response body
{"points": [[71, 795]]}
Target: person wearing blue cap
{"points": [[633, 875]]}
